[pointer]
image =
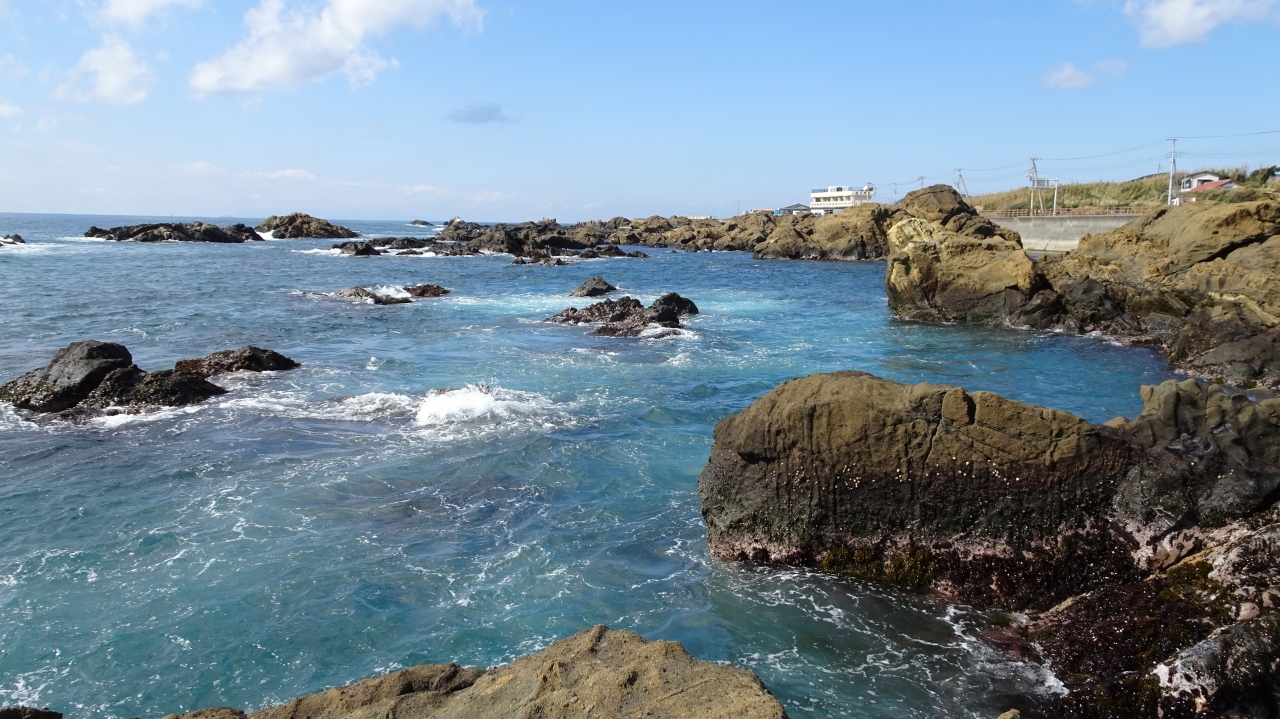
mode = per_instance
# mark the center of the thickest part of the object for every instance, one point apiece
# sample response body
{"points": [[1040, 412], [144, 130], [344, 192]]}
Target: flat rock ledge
{"points": [[594, 673], [91, 378], [1144, 554]]}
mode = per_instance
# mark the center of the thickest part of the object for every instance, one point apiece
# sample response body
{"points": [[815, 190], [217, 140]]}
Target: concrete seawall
{"points": [[1061, 233]]}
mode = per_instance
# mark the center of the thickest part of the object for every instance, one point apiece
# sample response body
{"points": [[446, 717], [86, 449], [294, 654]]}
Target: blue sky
{"points": [[502, 110]]}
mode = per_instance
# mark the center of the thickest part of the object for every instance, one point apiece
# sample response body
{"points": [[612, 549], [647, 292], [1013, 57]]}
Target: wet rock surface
{"points": [[302, 226], [596, 672], [90, 378], [14, 239], [357, 249], [627, 317], [593, 287], [177, 232], [427, 290], [21, 712], [1128, 544], [361, 294]]}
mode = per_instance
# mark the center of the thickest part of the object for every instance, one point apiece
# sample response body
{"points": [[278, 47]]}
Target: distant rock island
{"points": [[294, 226], [421, 223]]}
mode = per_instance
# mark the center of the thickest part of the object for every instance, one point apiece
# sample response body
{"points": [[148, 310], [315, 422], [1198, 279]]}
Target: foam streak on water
{"points": [[452, 479]]}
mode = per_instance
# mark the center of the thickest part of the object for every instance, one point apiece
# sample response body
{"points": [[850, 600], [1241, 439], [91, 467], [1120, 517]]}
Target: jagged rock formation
{"points": [[1155, 534], [301, 226], [177, 232], [1198, 279], [420, 223], [89, 378], [596, 672], [593, 287], [626, 317], [357, 249], [14, 239]]}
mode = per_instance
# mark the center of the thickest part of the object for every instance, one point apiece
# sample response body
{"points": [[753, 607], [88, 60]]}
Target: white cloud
{"points": [[118, 76], [1067, 76], [200, 167], [8, 110], [1165, 23], [287, 46], [135, 11]]}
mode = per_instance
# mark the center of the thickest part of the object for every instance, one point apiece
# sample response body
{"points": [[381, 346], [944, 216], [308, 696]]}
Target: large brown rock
{"points": [[942, 205], [935, 274], [1138, 547], [596, 672]]}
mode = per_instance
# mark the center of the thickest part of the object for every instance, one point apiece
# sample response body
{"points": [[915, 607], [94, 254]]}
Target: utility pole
{"points": [[922, 182], [960, 186], [895, 192], [1173, 165]]}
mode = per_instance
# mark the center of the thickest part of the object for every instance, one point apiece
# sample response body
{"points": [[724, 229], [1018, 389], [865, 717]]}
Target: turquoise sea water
{"points": [[315, 527]]}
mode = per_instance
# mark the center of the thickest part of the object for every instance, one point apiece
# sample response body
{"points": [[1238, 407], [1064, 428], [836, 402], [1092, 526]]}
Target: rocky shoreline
{"points": [[1160, 534], [1197, 280], [294, 226]]}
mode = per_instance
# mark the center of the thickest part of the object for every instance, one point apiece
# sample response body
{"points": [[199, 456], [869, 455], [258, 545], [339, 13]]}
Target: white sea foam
{"points": [[125, 416], [320, 251], [477, 402]]}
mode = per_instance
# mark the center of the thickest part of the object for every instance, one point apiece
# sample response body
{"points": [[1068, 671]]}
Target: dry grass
{"points": [[1143, 192]]}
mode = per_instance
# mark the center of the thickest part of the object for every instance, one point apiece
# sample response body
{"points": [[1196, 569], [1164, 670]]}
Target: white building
{"points": [[838, 197], [1196, 179]]}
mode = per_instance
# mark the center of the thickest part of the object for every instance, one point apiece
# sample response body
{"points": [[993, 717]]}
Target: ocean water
{"points": [[454, 479]]}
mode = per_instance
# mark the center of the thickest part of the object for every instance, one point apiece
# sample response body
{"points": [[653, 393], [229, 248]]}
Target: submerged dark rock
{"points": [[302, 226], [596, 672], [420, 223], [14, 239], [88, 377], [593, 287], [177, 232], [1149, 534]]}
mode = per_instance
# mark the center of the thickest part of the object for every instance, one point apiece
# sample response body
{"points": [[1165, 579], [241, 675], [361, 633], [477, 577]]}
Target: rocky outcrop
{"points": [[627, 317], [177, 232], [593, 287], [1197, 279], [1153, 533], [360, 294], [596, 672], [88, 378], [245, 359], [357, 249], [14, 239], [935, 274], [421, 223], [426, 291], [302, 226]]}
